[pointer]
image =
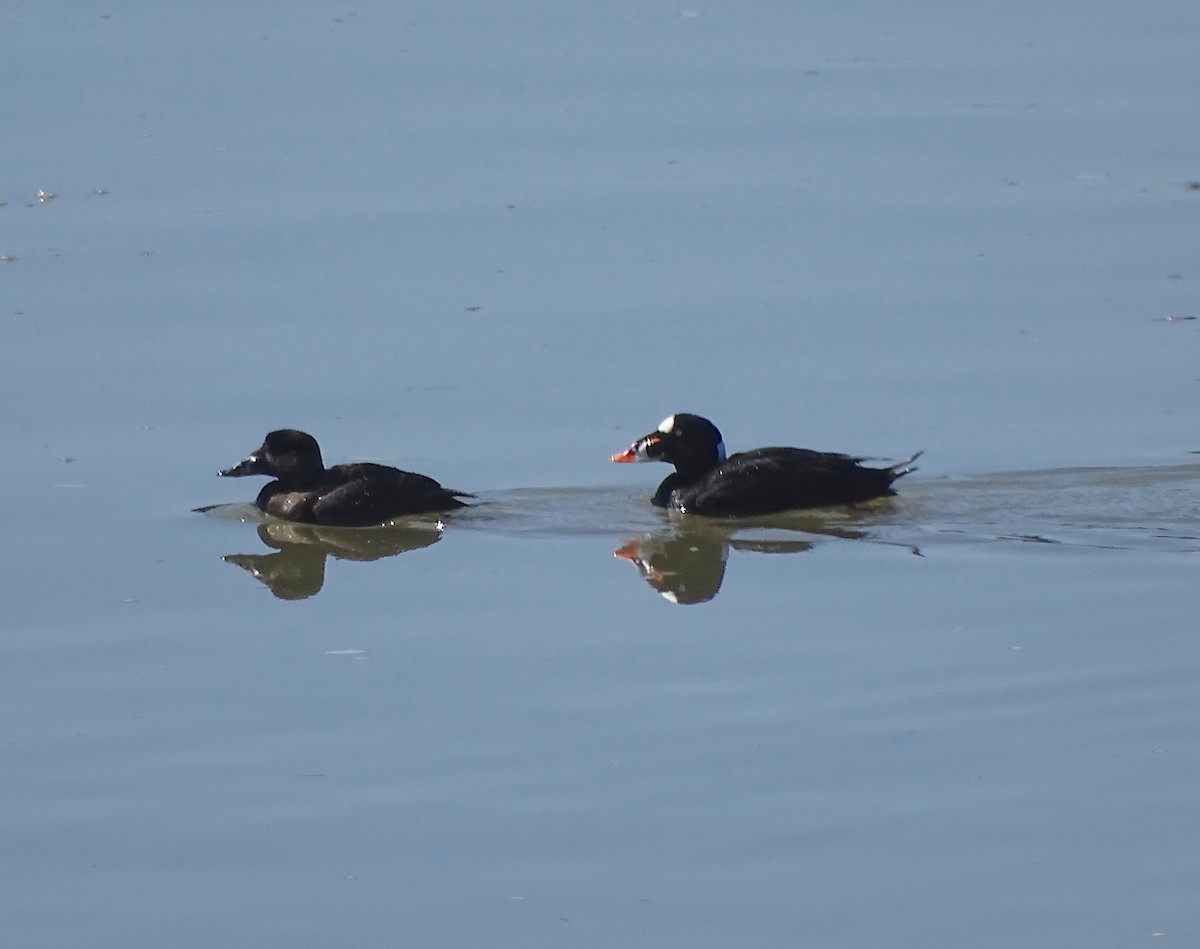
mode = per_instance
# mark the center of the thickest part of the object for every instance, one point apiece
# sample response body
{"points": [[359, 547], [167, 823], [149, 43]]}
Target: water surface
{"points": [[494, 245]]}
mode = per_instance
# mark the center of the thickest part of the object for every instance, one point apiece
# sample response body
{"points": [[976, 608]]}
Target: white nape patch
{"points": [[720, 452], [669, 596], [667, 425]]}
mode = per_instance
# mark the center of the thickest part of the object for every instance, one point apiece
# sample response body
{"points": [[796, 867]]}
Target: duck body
{"points": [[362, 494], [752, 483]]}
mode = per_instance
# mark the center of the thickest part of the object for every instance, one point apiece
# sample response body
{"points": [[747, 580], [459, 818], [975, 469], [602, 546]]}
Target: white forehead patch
{"points": [[667, 425]]}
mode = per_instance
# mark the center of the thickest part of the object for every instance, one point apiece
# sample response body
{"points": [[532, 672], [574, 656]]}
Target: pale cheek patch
{"points": [[667, 425]]}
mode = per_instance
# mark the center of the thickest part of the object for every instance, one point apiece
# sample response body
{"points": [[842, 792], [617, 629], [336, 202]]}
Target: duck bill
{"points": [[247, 466], [634, 554], [631, 551], [638, 451]]}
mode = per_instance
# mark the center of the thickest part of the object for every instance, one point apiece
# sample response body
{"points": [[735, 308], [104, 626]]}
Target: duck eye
{"points": [[642, 447]]}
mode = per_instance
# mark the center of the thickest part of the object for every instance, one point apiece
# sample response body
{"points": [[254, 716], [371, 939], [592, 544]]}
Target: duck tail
{"points": [[901, 468]]}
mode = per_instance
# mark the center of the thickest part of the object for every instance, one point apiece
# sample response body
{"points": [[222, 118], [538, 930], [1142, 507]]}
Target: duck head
{"points": [[286, 454], [689, 442]]}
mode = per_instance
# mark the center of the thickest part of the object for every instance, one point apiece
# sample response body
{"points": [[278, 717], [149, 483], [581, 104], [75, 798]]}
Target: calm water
{"points": [[494, 246]]}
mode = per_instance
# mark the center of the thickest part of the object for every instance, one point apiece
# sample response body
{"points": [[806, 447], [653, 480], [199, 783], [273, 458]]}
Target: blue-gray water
{"points": [[494, 245]]}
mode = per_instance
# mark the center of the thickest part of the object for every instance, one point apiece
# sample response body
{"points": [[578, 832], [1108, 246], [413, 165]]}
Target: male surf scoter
{"points": [[762, 481], [355, 495]]}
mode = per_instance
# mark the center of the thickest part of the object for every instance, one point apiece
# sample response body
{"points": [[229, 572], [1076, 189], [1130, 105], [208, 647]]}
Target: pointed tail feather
{"points": [[901, 468]]}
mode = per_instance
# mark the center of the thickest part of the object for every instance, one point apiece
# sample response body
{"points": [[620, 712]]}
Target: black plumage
{"points": [[749, 483], [354, 495]]}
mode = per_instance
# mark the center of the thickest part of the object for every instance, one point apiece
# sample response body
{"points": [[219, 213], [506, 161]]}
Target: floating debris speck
{"points": [[44, 196]]}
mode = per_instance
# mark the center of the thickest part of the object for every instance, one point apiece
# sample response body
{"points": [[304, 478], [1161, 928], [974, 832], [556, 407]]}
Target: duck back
{"points": [[770, 480]]}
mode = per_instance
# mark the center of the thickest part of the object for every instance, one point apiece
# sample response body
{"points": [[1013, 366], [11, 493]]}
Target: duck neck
{"points": [[673, 482], [301, 472]]}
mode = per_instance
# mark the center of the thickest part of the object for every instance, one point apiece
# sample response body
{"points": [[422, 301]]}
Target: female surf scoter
{"points": [[763, 481], [356, 495]]}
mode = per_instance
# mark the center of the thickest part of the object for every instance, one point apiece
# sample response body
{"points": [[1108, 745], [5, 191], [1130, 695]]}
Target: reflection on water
{"points": [[688, 567], [684, 568], [685, 562], [684, 557], [296, 568]]}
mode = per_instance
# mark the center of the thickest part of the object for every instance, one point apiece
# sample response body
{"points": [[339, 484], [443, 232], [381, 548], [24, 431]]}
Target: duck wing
{"points": [[769, 480], [362, 494]]}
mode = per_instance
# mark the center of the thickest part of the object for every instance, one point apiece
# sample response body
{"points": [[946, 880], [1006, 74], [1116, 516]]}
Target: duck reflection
{"points": [[686, 562], [296, 568]]}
